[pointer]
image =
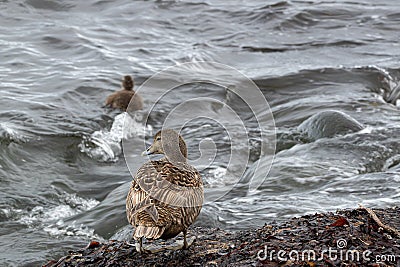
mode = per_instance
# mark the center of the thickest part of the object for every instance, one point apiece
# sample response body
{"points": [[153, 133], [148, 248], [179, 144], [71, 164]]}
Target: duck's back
{"points": [[164, 199], [120, 99]]}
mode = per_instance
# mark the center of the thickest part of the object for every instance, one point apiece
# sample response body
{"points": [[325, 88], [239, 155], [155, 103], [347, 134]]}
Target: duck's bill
{"points": [[147, 152]]}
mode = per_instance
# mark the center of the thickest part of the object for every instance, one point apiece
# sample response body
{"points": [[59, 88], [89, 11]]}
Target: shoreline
{"points": [[357, 237]]}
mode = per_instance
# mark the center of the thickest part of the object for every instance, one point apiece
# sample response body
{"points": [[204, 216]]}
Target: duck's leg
{"points": [[140, 248], [139, 245], [185, 243]]}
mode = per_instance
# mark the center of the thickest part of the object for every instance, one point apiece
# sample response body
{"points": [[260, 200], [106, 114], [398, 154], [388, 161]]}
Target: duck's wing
{"points": [[110, 100], [136, 201], [181, 186], [138, 198], [185, 195], [163, 184]]}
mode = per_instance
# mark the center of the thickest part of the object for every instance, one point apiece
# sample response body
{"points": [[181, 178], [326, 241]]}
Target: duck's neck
{"points": [[178, 154]]}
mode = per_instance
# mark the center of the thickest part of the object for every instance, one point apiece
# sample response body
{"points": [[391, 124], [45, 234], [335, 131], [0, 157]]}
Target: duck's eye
{"points": [[158, 138]]}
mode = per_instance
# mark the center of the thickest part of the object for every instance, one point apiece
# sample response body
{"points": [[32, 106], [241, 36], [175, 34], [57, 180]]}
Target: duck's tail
{"points": [[149, 232]]}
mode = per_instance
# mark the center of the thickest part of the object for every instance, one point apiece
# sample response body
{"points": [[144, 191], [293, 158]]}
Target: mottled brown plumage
{"points": [[166, 195], [120, 99]]}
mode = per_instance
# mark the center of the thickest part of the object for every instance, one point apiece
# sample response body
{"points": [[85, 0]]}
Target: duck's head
{"points": [[127, 83], [169, 143]]}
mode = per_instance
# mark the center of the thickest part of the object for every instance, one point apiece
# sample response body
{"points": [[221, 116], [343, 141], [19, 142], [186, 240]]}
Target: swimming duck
{"points": [[166, 195], [120, 99]]}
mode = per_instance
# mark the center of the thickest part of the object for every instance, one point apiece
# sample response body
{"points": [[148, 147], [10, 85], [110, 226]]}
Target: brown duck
{"points": [[166, 195], [120, 99]]}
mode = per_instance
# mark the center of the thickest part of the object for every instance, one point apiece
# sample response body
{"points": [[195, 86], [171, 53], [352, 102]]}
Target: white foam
{"points": [[217, 176], [7, 130], [51, 219], [59, 229], [366, 130], [105, 145]]}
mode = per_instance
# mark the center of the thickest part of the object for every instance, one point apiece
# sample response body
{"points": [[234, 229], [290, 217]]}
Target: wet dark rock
{"points": [[329, 124], [260, 247]]}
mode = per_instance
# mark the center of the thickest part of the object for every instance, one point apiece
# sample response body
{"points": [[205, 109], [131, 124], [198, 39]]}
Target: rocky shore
{"points": [[359, 237]]}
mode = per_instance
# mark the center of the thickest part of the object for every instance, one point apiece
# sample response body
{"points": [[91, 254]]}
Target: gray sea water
{"points": [[63, 177]]}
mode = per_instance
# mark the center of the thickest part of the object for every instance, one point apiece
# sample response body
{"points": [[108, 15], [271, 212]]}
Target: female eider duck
{"points": [[166, 195], [120, 99]]}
